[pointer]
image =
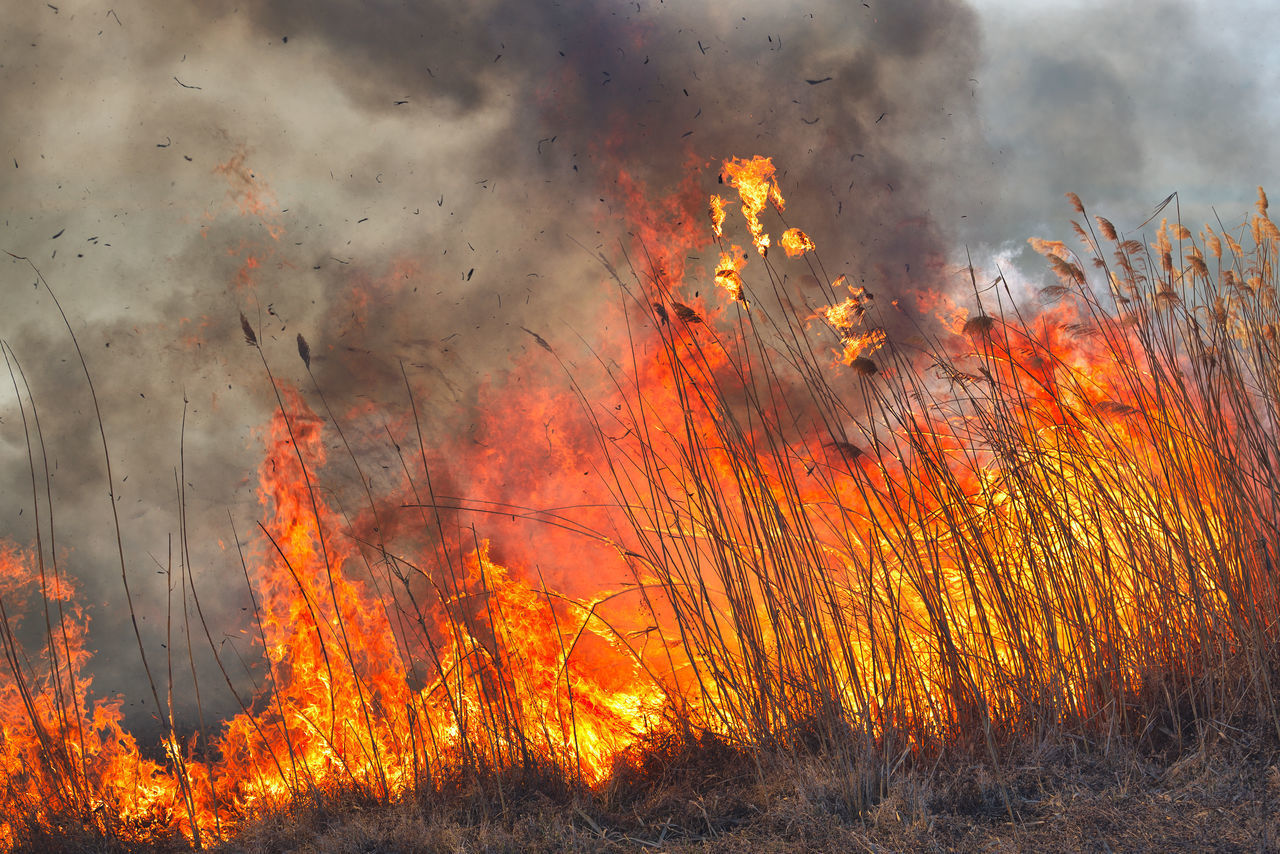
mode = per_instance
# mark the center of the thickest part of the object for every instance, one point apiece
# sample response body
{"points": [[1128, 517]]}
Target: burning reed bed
{"points": [[852, 544]]}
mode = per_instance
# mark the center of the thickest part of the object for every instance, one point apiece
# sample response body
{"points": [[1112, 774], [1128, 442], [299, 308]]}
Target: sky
{"points": [[414, 183]]}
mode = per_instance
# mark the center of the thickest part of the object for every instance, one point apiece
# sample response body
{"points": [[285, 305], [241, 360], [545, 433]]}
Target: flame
{"points": [[728, 272], [754, 180], [343, 709], [717, 213], [62, 753], [846, 318], [796, 242], [249, 193], [1020, 529], [844, 315], [855, 347]]}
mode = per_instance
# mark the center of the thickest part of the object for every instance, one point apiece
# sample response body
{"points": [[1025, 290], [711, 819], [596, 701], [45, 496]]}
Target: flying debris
{"points": [[304, 351], [848, 450], [979, 325], [685, 313], [863, 366], [816, 82], [542, 342], [249, 337]]}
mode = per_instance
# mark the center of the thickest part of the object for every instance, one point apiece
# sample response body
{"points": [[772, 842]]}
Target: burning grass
{"points": [[839, 555]]}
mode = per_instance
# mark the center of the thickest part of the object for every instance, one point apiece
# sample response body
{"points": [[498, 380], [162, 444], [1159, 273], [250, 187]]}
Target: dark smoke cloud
{"points": [[870, 115]]}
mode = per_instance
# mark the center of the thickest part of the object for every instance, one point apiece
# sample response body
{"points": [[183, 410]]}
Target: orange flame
{"points": [[728, 272], [342, 710], [754, 180], [62, 754], [796, 242], [716, 211]]}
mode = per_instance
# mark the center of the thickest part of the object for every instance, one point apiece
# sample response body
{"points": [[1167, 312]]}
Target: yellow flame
{"points": [[716, 211], [728, 271], [844, 315], [859, 346], [754, 180], [796, 242]]}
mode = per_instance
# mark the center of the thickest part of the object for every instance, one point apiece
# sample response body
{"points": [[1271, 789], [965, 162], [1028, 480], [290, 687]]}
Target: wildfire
{"points": [[61, 753], [343, 708], [1021, 527]]}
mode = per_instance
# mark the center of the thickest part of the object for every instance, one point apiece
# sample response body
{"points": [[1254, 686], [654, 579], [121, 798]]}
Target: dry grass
{"points": [[1065, 524], [1063, 800], [1221, 799]]}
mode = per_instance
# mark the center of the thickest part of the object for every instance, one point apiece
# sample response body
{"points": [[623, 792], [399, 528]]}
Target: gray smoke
{"points": [[1124, 104]]}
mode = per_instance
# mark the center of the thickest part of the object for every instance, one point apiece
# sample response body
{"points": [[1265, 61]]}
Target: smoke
{"points": [[1123, 105], [409, 184]]}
